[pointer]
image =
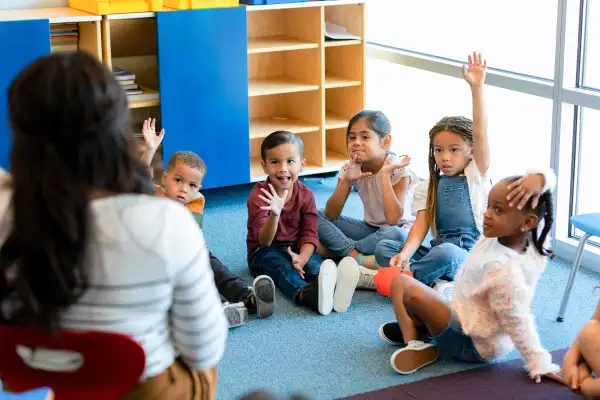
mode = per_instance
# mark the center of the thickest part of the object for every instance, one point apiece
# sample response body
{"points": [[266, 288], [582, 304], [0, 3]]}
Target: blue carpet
{"points": [[326, 357]]}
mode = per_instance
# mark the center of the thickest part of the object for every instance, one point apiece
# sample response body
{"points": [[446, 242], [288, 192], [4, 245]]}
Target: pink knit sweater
{"points": [[492, 298]]}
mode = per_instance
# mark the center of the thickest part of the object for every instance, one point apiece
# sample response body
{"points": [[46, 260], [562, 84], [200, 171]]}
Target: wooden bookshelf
{"points": [[301, 82]]}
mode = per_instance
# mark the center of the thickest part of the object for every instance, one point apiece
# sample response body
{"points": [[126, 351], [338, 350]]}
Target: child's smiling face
{"points": [[283, 164]]}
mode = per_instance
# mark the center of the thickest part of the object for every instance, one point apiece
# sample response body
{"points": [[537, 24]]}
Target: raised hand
{"points": [[400, 260], [392, 164], [352, 170], [475, 73], [274, 202], [151, 139], [529, 186], [297, 261]]}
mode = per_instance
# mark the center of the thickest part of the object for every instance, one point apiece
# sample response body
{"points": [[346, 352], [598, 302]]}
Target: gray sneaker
{"points": [[236, 313], [365, 279]]}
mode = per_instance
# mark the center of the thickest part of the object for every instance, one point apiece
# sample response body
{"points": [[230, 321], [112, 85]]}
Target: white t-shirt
{"points": [[479, 189], [370, 191], [150, 278]]}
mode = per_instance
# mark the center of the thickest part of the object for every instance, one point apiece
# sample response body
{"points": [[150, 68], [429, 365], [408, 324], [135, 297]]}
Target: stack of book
{"points": [[64, 37], [132, 89]]}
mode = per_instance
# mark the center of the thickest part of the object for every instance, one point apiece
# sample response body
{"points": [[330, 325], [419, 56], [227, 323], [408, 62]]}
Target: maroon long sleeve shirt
{"points": [[297, 222]]}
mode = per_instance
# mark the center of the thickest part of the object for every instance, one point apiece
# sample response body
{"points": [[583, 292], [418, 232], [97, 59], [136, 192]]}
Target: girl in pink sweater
{"points": [[490, 309]]}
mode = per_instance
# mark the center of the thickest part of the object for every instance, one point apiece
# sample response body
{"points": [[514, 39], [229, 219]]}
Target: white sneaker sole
{"points": [[327, 280], [407, 361], [347, 279]]}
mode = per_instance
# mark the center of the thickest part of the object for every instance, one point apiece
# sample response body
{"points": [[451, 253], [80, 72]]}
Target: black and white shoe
{"points": [[390, 333], [236, 313], [263, 289]]}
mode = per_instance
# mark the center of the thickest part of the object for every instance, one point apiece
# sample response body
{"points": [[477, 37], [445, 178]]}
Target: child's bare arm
{"points": [[393, 196], [475, 76], [151, 140], [335, 204]]}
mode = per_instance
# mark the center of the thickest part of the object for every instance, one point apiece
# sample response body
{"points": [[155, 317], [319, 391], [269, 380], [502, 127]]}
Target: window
{"points": [[591, 54], [514, 35], [588, 164], [519, 125]]}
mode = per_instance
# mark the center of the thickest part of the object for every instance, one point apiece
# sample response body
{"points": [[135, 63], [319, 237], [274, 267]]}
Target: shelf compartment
{"points": [[284, 72], [278, 43], [294, 112], [283, 30], [336, 147], [150, 99], [340, 71], [341, 104], [350, 16], [335, 121]]}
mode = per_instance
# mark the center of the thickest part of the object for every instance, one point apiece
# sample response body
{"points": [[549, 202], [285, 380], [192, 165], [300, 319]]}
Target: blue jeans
{"points": [[455, 343], [346, 234], [427, 265], [275, 262]]}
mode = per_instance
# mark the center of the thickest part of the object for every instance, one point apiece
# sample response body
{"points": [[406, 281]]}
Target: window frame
{"points": [[565, 241]]}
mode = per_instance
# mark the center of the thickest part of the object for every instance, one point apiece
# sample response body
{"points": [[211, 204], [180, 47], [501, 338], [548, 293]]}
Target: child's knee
{"points": [[590, 333], [394, 233], [400, 283], [452, 252]]}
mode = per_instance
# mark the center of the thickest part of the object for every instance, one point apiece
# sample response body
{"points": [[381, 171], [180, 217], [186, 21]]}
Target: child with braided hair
{"points": [[452, 202], [491, 307]]}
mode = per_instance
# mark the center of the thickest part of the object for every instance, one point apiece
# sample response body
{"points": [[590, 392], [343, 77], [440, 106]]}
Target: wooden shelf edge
{"points": [[335, 121], [335, 81], [277, 85], [271, 44], [306, 4], [143, 103], [55, 15], [337, 43], [263, 127]]}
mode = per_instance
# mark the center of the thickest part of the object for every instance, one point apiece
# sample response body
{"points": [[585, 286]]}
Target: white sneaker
{"points": [[347, 279], [365, 279], [236, 313], [327, 279], [444, 289], [414, 356]]}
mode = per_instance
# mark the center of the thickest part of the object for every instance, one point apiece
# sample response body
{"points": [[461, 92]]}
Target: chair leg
{"points": [[574, 269]]}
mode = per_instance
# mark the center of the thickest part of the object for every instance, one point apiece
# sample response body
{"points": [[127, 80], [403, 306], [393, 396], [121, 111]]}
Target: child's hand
{"points": [[149, 134], [530, 186], [391, 165], [400, 260], [475, 74], [353, 169], [298, 262], [275, 203]]}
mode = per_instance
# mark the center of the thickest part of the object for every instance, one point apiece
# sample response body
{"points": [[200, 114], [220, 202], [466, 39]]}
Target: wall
{"points": [[23, 4]]}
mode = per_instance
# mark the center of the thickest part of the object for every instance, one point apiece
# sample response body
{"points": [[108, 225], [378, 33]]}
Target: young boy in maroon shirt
{"points": [[282, 232]]}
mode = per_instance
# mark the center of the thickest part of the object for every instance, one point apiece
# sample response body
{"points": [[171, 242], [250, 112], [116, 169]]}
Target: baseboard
{"points": [[567, 248]]}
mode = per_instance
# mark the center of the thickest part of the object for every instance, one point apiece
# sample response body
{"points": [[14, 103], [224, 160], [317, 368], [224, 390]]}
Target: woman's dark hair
{"points": [[459, 125], [376, 121], [544, 211], [71, 140], [278, 138]]}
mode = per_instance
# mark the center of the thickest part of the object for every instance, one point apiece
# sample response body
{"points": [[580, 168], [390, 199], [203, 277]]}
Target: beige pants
{"points": [[178, 382]]}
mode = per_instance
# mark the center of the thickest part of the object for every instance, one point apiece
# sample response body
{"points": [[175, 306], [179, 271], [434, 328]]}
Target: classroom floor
{"points": [[339, 355]]}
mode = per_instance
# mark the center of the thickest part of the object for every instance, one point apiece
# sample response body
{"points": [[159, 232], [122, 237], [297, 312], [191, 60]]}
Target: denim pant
{"points": [[427, 264], [346, 234], [454, 342], [275, 262]]}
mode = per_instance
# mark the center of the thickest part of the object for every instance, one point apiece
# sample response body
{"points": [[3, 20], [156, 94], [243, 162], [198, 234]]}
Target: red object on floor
{"points": [[385, 276], [112, 363]]}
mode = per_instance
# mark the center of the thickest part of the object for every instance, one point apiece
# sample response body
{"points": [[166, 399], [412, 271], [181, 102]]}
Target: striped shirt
{"points": [[150, 278]]}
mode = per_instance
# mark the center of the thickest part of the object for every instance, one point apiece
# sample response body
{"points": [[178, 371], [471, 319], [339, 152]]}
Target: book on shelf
{"points": [[64, 37], [133, 90]]}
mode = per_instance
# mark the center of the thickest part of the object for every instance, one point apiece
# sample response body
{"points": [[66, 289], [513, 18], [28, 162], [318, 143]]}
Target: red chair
{"points": [[110, 366]]}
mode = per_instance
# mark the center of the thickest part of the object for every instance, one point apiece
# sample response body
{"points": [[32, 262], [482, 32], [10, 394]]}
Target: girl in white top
{"points": [[490, 311], [84, 243], [384, 184]]}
